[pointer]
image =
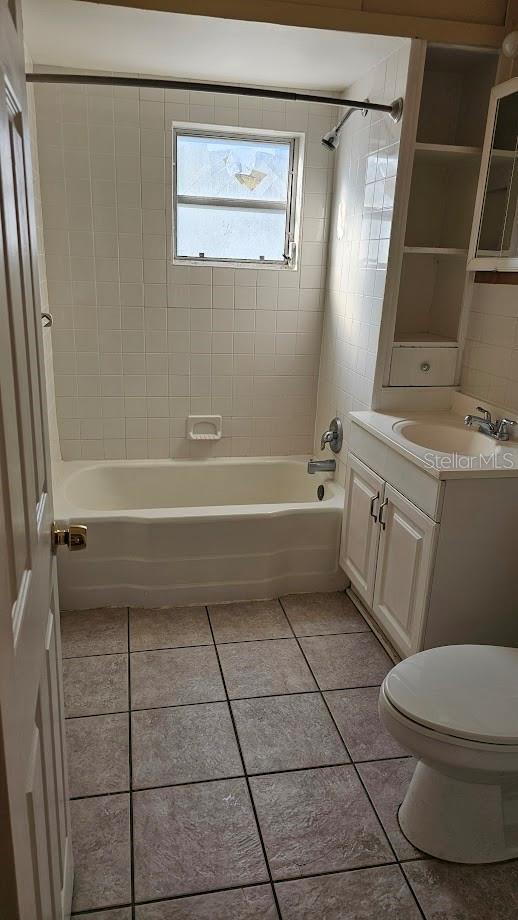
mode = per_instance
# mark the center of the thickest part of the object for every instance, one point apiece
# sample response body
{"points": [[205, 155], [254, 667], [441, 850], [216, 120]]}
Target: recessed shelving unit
{"points": [[447, 152]]}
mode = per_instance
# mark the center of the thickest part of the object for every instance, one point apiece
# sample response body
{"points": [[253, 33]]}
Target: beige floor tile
{"points": [[386, 782], [102, 631], [171, 677], [356, 714], [101, 835], [344, 661], [171, 627], [98, 754], [247, 621], [367, 894], [253, 903], [316, 821], [189, 839], [287, 733], [321, 614], [93, 686], [449, 890], [184, 744], [264, 668]]}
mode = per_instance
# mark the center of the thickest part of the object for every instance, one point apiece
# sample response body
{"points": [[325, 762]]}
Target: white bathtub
{"points": [[191, 532]]}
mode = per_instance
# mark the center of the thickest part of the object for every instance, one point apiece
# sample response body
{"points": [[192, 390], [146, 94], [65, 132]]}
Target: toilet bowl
{"points": [[455, 709]]}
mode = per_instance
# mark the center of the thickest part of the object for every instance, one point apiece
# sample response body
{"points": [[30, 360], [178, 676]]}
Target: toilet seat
{"points": [[468, 692]]}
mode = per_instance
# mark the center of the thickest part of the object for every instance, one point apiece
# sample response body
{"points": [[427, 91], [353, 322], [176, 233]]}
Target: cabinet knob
{"points": [[425, 366]]}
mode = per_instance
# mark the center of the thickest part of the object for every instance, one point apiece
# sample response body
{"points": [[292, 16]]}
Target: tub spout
{"points": [[321, 466]]}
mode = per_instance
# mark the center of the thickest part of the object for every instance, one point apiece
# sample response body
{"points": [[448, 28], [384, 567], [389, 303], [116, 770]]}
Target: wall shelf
{"points": [[504, 154], [447, 152], [423, 339], [434, 251]]}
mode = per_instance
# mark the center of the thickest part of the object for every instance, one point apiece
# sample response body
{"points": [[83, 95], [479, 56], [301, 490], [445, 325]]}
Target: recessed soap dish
{"points": [[204, 427]]}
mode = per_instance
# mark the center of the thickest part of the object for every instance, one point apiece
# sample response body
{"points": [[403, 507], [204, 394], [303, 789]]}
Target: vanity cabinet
{"points": [[387, 552], [431, 557], [360, 532], [405, 555]]}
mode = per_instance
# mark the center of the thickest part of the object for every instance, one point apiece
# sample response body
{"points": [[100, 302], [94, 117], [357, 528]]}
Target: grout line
{"points": [[95, 655], [384, 832], [411, 889], [165, 648], [130, 778], [252, 803], [98, 795], [236, 699], [93, 911], [192, 894], [350, 632], [218, 779]]}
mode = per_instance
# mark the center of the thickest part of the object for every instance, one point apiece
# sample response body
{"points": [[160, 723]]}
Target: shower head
{"points": [[332, 138]]}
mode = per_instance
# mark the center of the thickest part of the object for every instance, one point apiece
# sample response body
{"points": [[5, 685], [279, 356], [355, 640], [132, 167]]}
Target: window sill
{"points": [[224, 263]]}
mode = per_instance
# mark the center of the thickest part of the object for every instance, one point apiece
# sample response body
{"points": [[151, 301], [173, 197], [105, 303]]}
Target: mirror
{"points": [[494, 239]]}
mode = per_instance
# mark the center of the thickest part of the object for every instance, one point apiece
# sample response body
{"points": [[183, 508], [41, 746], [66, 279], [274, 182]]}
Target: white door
{"points": [[405, 558], [360, 531], [35, 844]]}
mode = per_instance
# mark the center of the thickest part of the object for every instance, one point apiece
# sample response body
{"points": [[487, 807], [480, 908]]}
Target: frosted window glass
{"points": [[213, 167], [229, 233]]}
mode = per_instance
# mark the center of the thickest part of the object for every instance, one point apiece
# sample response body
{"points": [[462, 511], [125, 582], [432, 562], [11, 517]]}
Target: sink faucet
{"points": [[321, 466], [497, 429]]}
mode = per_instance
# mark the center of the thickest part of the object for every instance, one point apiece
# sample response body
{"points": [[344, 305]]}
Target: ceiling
{"points": [[76, 34]]}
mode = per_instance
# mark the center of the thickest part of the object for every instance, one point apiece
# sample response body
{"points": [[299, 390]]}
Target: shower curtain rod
{"points": [[95, 80]]}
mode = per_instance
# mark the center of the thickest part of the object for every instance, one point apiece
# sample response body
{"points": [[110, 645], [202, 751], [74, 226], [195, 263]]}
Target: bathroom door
{"points": [[35, 844]]}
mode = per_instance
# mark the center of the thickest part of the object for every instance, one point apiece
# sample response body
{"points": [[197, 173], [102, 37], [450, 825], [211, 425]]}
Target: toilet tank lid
{"points": [[469, 691]]}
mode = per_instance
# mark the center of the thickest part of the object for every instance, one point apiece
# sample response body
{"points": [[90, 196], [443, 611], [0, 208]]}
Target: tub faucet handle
{"points": [[333, 436]]}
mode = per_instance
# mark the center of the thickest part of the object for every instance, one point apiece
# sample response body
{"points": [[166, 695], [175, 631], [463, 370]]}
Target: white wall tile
{"points": [[140, 343], [356, 269]]}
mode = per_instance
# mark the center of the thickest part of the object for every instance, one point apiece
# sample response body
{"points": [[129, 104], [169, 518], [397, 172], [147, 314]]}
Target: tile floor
{"points": [[227, 763]]}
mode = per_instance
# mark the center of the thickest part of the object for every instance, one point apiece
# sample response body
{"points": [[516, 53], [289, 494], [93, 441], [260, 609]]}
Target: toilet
{"points": [[455, 708]]}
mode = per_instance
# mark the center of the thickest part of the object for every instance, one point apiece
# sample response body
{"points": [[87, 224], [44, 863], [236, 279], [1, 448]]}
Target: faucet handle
{"points": [[485, 412], [502, 428], [333, 436]]}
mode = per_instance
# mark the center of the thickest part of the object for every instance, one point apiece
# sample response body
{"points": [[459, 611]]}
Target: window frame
{"points": [[293, 206]]}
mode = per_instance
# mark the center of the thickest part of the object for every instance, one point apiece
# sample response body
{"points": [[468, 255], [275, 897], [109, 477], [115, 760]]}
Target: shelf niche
{"points": [[430, 298], [442, 197], [455, 96]]}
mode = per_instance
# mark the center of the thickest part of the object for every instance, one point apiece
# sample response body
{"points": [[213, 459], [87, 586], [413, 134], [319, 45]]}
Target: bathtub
{"points": [[166, 532]]}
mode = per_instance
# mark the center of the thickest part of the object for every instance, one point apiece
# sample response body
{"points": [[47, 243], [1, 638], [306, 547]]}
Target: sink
{"points": [[447, 439]]}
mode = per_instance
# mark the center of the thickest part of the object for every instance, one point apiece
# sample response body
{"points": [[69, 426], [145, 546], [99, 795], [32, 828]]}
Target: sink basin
{"points": [[447, 439]]}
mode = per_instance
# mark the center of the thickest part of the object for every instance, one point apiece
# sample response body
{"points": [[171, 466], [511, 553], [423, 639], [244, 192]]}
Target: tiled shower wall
{"points": [[139, 344], [359, 239], [490, 361], [42, 274]]}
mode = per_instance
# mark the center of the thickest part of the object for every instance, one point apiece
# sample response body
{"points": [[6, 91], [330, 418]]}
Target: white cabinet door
{"points": [[405, 558], [360, 532]]}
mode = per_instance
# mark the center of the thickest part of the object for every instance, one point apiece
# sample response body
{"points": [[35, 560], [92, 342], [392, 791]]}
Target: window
{"points": [[234, 196]]}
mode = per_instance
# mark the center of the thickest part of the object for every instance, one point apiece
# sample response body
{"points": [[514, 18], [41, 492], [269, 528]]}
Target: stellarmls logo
{"points": [[505, 460]]}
